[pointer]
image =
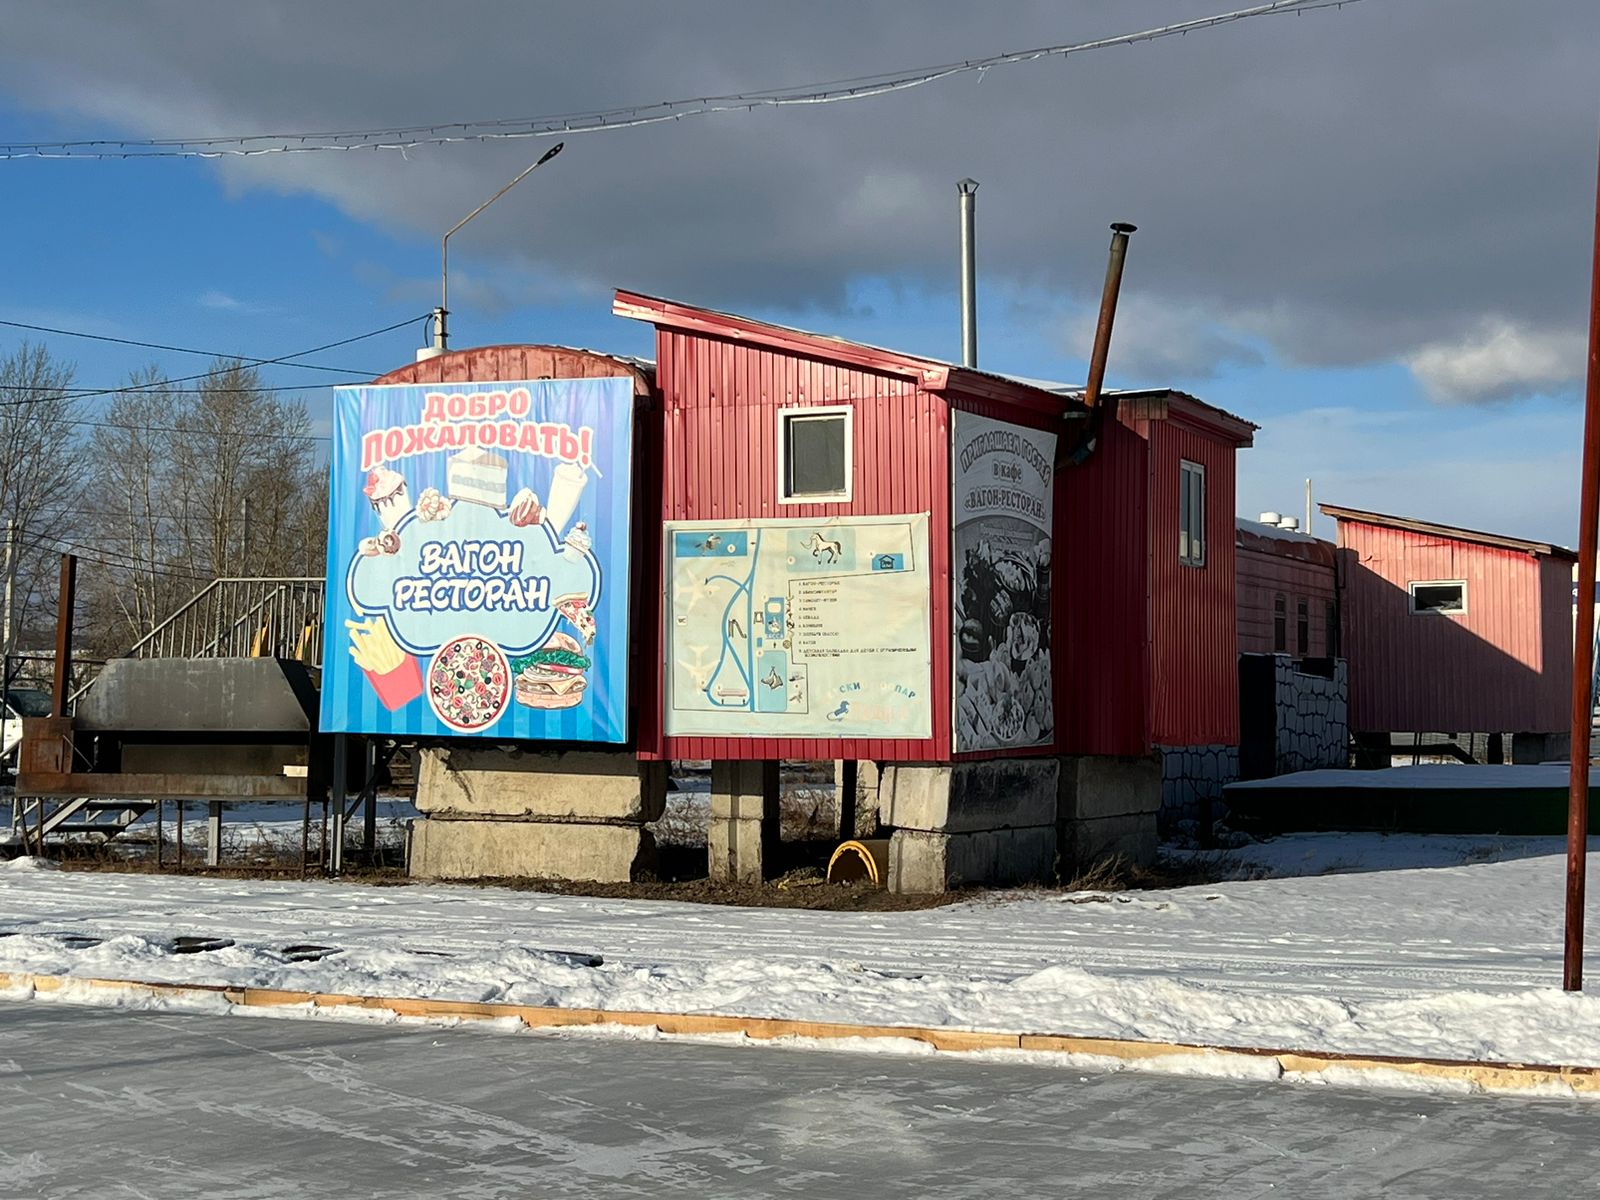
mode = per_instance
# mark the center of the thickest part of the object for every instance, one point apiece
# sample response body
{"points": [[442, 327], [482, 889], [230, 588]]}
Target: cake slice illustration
{"points": [[478, 477]]}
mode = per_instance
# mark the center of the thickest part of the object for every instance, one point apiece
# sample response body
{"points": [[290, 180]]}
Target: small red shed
{"points": [[1136, 566], [732, 392], [1452, 630]]}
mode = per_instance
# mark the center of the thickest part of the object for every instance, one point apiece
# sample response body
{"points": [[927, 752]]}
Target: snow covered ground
{"points": [[1443, 947]]}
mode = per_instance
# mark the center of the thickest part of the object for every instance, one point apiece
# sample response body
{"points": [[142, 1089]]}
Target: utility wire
{"points": [[218, 434], [409, 137], [259, 362], [73, 393], [101, 337]]}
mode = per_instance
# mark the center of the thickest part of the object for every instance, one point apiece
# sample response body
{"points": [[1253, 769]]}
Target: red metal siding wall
{"points": [[720, 401], [1490, 669], [1194, 652], [1261, 578], [1102, 555]]}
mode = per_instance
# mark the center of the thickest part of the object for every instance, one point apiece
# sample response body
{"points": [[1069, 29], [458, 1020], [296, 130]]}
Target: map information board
{"points": [[794, 628]]}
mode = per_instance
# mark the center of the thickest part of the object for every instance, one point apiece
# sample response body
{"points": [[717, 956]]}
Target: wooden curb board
{"points": [[1484, 1076]]}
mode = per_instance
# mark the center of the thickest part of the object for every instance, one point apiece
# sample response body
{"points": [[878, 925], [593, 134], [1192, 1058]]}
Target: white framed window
{"points": [[816, 450], [1438, 596], [1191, 513]]}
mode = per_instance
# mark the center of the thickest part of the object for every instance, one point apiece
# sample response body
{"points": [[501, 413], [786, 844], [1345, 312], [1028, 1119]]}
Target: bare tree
{"points": [[216, 481], [244, 477], [41, 475], [133, 520]]}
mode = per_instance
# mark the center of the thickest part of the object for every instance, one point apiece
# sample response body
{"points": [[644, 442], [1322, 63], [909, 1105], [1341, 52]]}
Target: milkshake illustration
{"points": [[566, 485]]}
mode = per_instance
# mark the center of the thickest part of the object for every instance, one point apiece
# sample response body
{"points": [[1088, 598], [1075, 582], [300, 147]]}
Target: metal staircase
{"points": [[35, 819], [228, 618]]}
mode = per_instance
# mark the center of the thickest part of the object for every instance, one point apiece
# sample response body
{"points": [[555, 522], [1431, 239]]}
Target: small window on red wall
{"points": [[1191, 514], [814, 454]]}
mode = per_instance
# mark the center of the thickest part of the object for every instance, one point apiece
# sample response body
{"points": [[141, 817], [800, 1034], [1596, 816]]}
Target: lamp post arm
{"points": [[444, 242]]}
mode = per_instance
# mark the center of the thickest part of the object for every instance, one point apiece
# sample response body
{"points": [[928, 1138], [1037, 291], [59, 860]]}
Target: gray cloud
{"points": [[1347, 186]]}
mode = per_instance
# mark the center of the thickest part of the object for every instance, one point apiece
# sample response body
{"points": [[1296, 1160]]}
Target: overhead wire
{"points": [[255, 362], [121, 341], [403, 138]]}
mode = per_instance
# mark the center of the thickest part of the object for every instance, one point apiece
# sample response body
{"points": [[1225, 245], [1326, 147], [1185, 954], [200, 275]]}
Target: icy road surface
{"points": [[102, 1103], [1457, 961]]}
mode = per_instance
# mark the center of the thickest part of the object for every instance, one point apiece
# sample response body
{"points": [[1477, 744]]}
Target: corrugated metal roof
{"points": [[933, 373], [1454, 532]]}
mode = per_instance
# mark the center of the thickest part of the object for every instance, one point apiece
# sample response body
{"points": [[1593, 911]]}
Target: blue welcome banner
{"points": [[478, 560]]}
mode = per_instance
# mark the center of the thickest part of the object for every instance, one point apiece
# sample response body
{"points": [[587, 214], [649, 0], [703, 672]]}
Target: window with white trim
{"points": [[1191, 513], [815, 449], [1438, 596]]}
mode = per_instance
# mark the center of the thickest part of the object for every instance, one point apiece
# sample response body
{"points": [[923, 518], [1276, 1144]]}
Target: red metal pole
{"points": [[1583, 640], [66, 602]]}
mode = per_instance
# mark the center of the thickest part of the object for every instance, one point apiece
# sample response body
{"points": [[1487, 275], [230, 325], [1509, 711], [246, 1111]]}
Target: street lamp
{"points": [[441, 334]]}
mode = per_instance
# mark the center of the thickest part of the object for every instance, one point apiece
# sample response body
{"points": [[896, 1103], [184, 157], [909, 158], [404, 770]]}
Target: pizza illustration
{"points": [[469, 683], [575, 608]]}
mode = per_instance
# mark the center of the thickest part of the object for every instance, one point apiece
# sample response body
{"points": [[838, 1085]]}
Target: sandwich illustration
{"points": [[553, 675]]}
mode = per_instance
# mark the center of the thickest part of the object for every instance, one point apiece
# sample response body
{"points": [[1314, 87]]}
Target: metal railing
{"points": [[242, 618]]}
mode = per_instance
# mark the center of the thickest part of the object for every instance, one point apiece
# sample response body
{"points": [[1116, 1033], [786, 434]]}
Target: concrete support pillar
{"points": [[214, 834], [1373, 751], [1527, 748], [1108, 806], [969, 824], [742, 843], [856, 793]]}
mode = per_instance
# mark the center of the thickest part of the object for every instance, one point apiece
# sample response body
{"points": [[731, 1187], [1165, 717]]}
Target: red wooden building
{"points": [[1288, 602], [1451, 630]]}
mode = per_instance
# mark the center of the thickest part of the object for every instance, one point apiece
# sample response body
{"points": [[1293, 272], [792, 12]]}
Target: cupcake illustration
{"points": [[390, 497], [577, 542]]}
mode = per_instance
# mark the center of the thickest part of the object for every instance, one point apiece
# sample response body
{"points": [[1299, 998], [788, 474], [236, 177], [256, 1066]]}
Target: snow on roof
{"points": [[1273, 531]]}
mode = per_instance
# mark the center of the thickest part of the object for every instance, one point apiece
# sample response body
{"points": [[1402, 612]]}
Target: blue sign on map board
{"points": [[478, 560]]}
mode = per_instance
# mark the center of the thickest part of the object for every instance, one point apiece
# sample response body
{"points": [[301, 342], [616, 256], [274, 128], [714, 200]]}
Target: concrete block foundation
{"points": [[506, 812], [454, 849], [922, 863], [969, 824], [969, 797], [1108, 806], [574, 785]]}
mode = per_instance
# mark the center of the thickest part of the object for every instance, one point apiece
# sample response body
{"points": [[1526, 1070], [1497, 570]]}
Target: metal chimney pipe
{"points": [[968, 188], [1108, 312]]}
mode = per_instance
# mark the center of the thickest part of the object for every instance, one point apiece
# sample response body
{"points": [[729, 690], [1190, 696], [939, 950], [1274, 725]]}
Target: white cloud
{"points": [[1156, 340], [212, 298], [1499, 360]]}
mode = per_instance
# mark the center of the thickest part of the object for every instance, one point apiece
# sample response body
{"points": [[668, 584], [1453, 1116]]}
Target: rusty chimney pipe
{"points": [[1108, 313]]}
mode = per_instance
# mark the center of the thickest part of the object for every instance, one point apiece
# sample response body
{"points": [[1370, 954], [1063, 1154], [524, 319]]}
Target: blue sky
{"points": [[1413, 342]]}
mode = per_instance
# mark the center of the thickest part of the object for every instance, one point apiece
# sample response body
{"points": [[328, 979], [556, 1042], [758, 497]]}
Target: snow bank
{"points": [[1457, 961]]}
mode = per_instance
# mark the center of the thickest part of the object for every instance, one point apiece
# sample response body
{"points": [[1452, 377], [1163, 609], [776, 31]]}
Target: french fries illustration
{"points": [[392, 672]]}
